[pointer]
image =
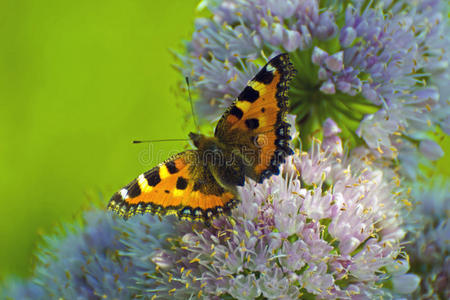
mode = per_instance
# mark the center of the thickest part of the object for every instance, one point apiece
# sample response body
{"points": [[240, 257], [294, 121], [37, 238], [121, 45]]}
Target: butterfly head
{"points": [[203, 142]]}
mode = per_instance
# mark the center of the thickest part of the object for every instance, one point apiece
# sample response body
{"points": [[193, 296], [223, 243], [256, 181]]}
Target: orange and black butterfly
{"points": [[250, 140]]}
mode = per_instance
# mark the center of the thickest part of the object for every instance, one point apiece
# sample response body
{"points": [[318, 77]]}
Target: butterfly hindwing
{"points": [[181, 186], [255, 123]]}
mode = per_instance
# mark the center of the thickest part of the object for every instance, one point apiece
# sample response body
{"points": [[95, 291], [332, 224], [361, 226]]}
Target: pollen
{"points": [[263, 23], [407, 203], [194, 260]]}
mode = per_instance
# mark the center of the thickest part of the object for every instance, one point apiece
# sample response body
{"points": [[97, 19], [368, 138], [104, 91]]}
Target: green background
{"points": [[79, 80]]}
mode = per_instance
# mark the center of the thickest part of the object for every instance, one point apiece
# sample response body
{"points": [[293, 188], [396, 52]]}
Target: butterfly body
{"points": [[224, 163], [251, 140]]}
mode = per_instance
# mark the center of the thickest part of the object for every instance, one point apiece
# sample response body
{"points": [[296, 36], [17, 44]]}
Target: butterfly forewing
{"points": [[255, 123]]}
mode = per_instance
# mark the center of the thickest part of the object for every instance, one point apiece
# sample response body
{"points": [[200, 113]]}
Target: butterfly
{"points": [[250, 140]]}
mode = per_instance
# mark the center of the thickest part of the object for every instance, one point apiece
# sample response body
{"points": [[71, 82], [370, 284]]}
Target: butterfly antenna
{"points": [[166, 140], [192, 105]]}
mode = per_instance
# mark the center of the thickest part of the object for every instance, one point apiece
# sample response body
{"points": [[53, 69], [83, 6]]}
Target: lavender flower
{"points": [[377, 68], [327, 227], [331, 140], [431, 149], [85, 262], [17, 288], [429, 248]]}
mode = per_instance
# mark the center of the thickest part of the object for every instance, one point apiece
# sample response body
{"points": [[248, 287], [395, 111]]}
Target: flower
{"points": [[429, 236], [327, 226], [331, 140], [377, 68], [84, 261], [431, 149], [17, 288]]}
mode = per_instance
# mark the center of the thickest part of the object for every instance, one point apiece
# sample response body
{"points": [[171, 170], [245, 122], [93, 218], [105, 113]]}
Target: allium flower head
{"points": [[16, 288], [377, 68], [84, 261], [429, 246], [326, 226]]}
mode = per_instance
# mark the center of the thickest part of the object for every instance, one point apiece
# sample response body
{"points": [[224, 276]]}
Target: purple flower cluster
{"points": [[85, 261], [429, 246], [377, 68], [328, 226]]}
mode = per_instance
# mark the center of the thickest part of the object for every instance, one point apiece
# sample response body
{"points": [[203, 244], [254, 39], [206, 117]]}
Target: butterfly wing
{"points": [[255, 123], [181, 186]]}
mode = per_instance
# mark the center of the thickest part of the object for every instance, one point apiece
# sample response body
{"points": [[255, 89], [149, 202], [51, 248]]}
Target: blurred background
{"points": [[79, 80]]}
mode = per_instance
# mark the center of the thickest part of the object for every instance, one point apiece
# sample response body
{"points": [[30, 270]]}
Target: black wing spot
{"points": [[153, 177], [134, 189], [167, 191], [181, 183], [263, 110], [252, 123], [237, 112], [249, 94], [264, 76], [171, 167]]}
